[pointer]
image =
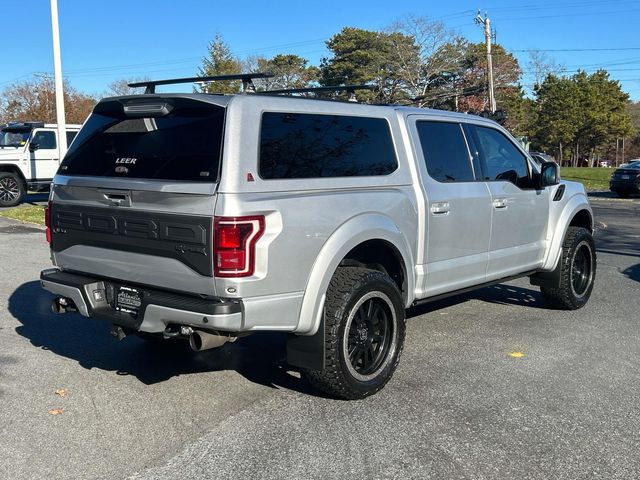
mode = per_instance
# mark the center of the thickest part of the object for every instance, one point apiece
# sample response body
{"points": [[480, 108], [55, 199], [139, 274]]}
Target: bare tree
{"points": [[121, 87], [541, 66], [430, 62], [255, 64]]}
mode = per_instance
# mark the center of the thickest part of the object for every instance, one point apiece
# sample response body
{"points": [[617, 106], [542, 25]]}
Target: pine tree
{"points": [[220, 61]]}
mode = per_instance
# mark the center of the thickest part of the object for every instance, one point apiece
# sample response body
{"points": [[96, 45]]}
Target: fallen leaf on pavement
{"points": [[61, 392], [56, 411]]}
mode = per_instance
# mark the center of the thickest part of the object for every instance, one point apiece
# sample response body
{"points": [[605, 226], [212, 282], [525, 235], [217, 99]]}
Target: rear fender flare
{"points": [[349, 235]]}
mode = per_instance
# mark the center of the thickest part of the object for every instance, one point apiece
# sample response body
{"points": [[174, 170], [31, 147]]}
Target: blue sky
{"points": [[103, 41]]}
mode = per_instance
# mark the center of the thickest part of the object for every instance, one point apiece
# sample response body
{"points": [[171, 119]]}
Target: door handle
{"points": [[440, 208], [500, 203], [117, 199]]}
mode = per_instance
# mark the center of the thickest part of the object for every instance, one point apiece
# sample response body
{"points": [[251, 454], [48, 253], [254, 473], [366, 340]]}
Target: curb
{"points": [[591, 196]]}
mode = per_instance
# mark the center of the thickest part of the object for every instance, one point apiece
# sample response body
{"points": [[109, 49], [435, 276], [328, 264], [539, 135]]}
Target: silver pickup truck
{"points": [[208, 217]]}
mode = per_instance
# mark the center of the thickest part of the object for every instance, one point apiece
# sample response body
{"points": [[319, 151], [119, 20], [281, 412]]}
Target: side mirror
{"points": [[33, 147], [549, 174]]}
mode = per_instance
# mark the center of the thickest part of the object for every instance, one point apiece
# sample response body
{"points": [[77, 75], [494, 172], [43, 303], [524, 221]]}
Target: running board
{"points": [[442, 296]]}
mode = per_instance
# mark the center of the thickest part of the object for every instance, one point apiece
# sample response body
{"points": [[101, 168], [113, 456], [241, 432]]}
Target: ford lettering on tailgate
{"points": [[184, 237], [129, 227]]}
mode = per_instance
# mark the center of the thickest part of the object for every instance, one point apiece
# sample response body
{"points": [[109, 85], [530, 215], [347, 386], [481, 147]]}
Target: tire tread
{"points": [[332, 380], [562, 297]]}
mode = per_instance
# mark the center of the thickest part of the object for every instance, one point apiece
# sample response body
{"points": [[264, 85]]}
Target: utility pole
{"points": [[57, 72], [486, 23]]}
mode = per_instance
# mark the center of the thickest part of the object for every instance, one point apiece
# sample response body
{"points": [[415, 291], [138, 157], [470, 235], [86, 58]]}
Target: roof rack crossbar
{"points": [[246, 78], [337, 88]]}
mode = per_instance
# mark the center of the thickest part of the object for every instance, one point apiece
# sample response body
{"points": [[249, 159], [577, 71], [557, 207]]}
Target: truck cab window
{"points": [[501, 158], [45, 140]]}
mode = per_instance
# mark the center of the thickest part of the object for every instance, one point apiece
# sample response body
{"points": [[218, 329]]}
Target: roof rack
{"points": [[337, 88], [247, 81], [499, 116], [23, 125]]}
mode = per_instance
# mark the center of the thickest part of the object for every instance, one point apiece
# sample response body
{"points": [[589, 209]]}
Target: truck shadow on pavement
{"points": [[260, 358], [501, 294], [633, 272], [35, 198]]}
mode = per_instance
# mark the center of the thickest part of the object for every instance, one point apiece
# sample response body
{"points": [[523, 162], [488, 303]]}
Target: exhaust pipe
{"points": [[199, 340], [62, 305]]}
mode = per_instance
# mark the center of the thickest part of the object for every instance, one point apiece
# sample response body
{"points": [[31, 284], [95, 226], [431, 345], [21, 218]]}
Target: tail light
{"points": [[234, 245], [47, 220]]}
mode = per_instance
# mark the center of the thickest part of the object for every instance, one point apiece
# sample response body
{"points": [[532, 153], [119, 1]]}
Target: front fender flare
{"points": [[571, 208]]}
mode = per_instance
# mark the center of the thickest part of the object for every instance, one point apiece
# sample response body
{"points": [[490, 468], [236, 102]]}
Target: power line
{"points": [[563, 5], [573, 14], [612, 49]]}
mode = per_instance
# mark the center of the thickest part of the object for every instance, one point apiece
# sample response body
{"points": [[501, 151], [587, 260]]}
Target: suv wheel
{"points": [[12, 189], [364, 333], [578, 271]]}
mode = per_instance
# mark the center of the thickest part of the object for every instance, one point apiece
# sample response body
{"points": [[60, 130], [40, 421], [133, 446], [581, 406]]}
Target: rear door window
{"points": [[296, 145], [184, 145], [445, 151]]}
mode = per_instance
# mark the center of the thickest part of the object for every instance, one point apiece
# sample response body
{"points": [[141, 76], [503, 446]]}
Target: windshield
{"points": [[13, 138], [183, 145], [634, 164]]}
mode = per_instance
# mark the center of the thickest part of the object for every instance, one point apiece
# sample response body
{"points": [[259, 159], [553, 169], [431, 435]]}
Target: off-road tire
{"points": [[12, 189], [353, 295], [576, 283]]}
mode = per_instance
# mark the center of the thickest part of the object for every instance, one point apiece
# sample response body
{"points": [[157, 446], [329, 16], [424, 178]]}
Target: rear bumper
{"points": [[94, 297]]}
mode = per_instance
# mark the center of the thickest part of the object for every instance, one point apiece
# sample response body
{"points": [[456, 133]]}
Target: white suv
{"points": [[28, 158]]}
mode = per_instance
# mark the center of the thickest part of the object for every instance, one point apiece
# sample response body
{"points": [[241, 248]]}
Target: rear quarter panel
{"points": [[302, 215]]}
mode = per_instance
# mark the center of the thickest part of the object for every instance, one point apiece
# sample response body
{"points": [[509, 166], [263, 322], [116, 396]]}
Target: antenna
{"points": [[246, 78]]}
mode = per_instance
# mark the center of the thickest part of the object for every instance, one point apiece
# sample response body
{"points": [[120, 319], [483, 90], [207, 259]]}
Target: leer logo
{"points": [[130, 160]]}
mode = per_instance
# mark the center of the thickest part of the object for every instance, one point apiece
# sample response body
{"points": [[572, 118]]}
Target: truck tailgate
{"points": [[160, 239]]}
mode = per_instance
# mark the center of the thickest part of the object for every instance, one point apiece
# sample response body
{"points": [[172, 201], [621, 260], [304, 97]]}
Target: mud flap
{"points": [[548, 279], [307, 351]]}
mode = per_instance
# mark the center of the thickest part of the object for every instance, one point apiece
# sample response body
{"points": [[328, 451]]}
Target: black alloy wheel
{"points": [[369, 333], [364, 333], [581, 270]]}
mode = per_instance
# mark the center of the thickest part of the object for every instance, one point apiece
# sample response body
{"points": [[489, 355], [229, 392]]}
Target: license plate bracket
{"points": [[128, 300]]}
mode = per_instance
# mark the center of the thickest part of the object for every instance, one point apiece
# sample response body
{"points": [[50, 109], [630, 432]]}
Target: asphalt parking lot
{"points": [[459, 406]]}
